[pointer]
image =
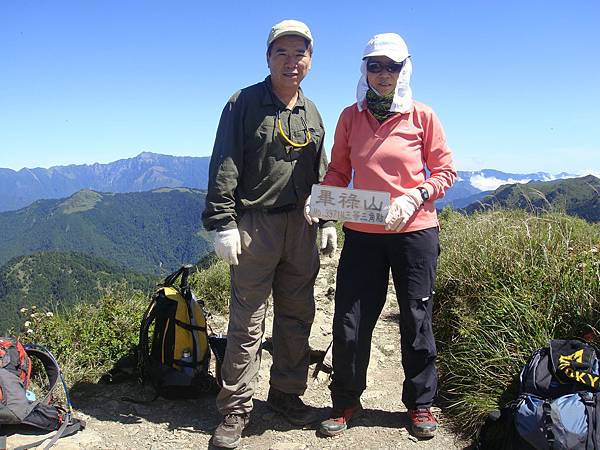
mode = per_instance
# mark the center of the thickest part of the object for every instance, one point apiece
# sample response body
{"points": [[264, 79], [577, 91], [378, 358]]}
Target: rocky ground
{"points": [[116, 424]]}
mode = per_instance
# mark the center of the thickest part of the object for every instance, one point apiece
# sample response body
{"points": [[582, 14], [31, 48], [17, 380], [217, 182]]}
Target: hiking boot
{"points": [[422, 423], [229, 433], [338, 420], [291, 407]]}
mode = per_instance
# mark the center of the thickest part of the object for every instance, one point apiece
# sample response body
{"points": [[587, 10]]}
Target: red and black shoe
{"points": [[339, 419], [422, 423]]}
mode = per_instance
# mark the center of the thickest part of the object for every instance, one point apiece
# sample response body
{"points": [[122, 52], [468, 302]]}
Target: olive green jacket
{"points": [[253, 166]]}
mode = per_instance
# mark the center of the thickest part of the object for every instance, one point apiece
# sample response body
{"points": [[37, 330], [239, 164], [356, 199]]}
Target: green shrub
{"points": [[507, 283], [211, 284], [88, 339]]}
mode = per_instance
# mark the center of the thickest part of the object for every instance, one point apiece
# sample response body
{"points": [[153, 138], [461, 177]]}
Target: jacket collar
{"points": [[269, 97]]}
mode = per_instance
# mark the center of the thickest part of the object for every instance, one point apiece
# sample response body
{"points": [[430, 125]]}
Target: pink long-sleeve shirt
{"points": [[392, 157]]}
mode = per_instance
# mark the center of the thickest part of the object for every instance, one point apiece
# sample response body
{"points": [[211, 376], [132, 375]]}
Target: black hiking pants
{"points": [[361, 289]]}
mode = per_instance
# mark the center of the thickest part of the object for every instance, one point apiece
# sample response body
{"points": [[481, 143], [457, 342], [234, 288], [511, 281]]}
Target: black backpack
{"points": [[175, 359], [18, 405], [558, 406], [559, 402]]}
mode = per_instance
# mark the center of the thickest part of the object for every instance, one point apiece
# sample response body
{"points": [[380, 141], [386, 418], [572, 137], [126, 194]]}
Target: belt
{"points": [[280, 209]]}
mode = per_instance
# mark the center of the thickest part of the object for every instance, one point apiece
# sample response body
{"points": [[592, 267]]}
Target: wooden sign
{"points": [[349, 205]]}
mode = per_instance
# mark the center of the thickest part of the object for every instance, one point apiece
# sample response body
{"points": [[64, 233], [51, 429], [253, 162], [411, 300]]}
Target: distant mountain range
{"points": [[576, 197], [472, 186], [149, 171], [55, 280], [145, 172], [147, 232], [58, 252]]}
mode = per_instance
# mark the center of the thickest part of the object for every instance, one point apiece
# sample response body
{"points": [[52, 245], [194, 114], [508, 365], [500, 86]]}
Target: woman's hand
{"points": [[402, 209]]}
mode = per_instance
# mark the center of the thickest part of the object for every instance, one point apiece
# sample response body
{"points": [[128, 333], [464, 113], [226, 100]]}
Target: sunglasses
{"points": [[377, 67]]}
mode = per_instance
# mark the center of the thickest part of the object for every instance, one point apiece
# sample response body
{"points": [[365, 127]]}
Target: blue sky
{"points": [[516, 84]]}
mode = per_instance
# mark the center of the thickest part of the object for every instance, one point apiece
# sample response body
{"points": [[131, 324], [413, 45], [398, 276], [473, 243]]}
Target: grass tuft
{"points": [[507, 283]]}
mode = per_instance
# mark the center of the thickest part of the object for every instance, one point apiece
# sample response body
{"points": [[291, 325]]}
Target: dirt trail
{"points": [[114, 424]]}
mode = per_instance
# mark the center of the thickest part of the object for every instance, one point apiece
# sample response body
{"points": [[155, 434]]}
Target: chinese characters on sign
{"points": [[349, 205]]}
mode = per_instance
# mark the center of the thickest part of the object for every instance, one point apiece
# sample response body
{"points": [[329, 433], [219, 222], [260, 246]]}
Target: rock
{"points": [[389, 349]]}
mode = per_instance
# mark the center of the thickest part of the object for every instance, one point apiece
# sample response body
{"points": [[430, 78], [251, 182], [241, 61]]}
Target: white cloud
{"points": [[491, 183], [582, 173], [484, 183]]}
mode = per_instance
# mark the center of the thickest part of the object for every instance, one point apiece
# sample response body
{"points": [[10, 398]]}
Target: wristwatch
{"points": [[424, 193]]}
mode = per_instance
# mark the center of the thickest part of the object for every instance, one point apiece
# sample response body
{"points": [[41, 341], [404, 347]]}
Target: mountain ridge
{"points": [[573, 196], [144, 172], [148, 171], [147, 231]]}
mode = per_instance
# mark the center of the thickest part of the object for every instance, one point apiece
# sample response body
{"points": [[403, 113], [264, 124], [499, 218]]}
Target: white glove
{"points": [[310, 219], [328, 241], [228, 245], [402, 209]]}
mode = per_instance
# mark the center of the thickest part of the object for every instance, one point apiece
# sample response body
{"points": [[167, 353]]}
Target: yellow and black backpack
{"points": [[174, 355]]}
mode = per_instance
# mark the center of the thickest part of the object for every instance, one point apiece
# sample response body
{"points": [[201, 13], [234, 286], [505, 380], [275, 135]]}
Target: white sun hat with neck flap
{"points": [[394, 47]]}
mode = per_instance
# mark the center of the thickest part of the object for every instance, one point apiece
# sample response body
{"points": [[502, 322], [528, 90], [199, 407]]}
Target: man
{"points": [[268, 153]]}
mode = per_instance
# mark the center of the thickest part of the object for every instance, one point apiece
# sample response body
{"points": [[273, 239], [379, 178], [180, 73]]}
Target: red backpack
{"points": [[18, 405]]}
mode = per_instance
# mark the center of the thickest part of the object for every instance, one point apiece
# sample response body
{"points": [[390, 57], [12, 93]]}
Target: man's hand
{"points": [[310, 219], [328, 241], [402, 209], [228, 246]]}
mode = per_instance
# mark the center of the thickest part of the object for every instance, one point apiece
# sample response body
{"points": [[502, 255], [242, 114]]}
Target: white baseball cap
{"points": [[289, 27], [387, 44]]}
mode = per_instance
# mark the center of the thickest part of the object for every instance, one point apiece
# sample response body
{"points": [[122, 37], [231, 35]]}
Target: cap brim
{"points": [[394, 57], [290, 33]]}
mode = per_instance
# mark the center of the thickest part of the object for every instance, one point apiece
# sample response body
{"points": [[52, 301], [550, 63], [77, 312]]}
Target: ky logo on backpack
{"points": [[577, 367]]}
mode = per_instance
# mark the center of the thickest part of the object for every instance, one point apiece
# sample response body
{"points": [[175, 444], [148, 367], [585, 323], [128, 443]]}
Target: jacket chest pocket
{"points": [[262, 138]]}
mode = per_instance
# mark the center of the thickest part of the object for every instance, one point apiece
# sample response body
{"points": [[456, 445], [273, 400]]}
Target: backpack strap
{"points": [[50, 366], [547, 423], [143, 346], [68, 427], [592, 410], [187, 326], [184, 272], [54, 373], [72, 426], [595, 440]]}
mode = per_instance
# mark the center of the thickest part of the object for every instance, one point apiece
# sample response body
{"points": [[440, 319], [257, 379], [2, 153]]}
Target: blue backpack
{"points": [[559, 403]]}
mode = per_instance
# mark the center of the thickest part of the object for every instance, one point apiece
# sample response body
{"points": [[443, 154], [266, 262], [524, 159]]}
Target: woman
{"points": [[391, 143]]}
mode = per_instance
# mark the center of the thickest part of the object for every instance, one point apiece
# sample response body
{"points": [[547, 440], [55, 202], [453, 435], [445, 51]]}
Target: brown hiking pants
{"points": [[279, 255]]}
